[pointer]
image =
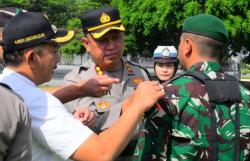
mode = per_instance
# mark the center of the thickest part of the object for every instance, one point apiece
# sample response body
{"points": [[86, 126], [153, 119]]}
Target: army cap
{"points": [[7, 13], [206, 25], [32, 28], [100, 21], [165, 54]]}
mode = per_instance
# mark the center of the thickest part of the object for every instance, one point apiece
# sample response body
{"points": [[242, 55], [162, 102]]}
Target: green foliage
{"points": [[18, 3], [74, 47], [245, 69], [151, 23]]}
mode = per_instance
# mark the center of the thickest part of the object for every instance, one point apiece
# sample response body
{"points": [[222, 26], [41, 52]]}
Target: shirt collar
{"points": [[206, 67], [210, 68], [8, 75]]}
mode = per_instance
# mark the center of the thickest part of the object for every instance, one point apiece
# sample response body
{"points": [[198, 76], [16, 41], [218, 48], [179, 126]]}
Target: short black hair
{"points": [[14, 58]]}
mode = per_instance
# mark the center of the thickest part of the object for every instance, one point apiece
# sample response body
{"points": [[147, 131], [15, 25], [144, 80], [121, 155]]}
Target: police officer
{"points": [[104, 41], [165, 62], [206, 112]]}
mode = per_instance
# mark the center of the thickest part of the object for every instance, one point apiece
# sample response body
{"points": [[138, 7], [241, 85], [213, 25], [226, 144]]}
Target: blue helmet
{"points": [[165, 54]]}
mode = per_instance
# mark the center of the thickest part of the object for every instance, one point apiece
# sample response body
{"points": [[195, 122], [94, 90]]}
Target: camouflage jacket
{"points": [[179, 127]]}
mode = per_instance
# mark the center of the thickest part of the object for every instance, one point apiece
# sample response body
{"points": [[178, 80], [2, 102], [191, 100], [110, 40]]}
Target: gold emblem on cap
{"points": [[104, 18], [103, 105], [137, 80]]}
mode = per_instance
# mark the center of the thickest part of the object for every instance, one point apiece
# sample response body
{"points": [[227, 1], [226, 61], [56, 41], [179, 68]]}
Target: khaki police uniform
{"points": [[108, 107], [15, 134]]}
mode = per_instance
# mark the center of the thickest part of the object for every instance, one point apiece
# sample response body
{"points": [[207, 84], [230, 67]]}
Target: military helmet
{"points": [[165, 54]]}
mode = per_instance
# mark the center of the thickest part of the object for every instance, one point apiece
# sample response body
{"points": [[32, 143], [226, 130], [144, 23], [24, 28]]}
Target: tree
{"points": [[150, 23]]}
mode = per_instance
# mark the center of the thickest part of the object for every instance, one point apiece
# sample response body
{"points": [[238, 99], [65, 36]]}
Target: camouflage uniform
{"points": [[181, 129]]}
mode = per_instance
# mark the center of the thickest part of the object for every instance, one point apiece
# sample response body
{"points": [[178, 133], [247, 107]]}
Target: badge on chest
{"points": [[103, 105]]}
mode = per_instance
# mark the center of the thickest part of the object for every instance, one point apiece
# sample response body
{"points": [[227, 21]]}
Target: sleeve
{"points": [[153, 137], [55, 128], [15, 134], [73, 77], [23, 134], [8, 124]]}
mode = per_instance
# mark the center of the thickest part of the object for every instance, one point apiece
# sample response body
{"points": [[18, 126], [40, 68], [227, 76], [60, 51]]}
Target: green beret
{"points": [[206, 25]]}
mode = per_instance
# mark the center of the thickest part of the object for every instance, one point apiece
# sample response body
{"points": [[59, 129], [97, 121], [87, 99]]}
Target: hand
{"points": [[86, 116], [97, 86], [146, 95]]}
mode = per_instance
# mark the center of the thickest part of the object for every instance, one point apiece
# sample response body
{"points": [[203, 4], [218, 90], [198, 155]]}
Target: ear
{"points": [[188, 46], [31, 58], [86, 43]]}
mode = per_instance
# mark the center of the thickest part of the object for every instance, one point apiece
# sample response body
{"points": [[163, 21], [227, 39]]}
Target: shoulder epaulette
{"points": [[82, 68], [144, 69]]}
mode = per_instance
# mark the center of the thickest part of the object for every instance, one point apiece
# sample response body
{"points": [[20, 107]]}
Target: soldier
{"points": [[104, 41], [206, 112], [165, 62], [31, 55]]}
